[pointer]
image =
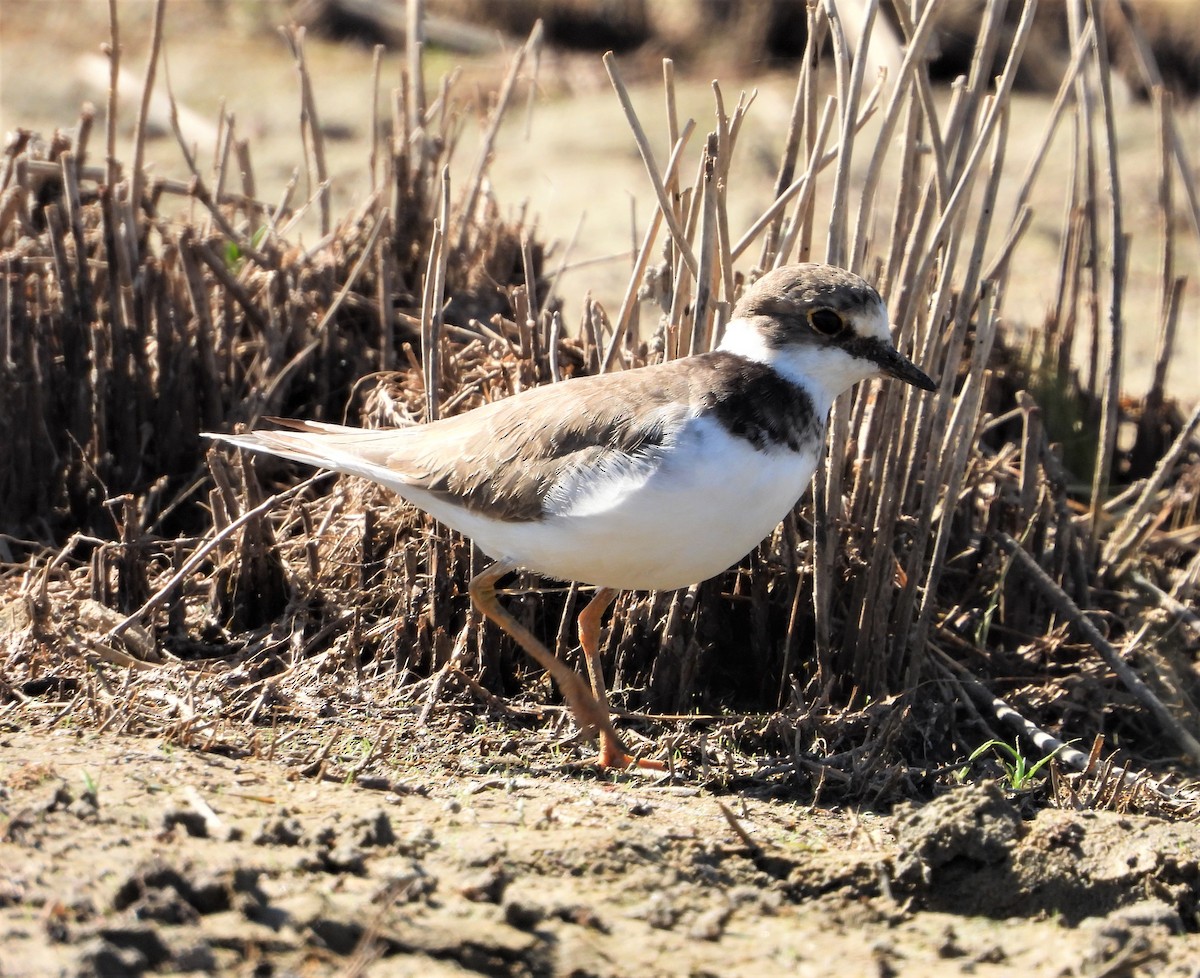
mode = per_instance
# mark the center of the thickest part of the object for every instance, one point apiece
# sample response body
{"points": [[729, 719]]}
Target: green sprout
{"points": [[1018, 772]]}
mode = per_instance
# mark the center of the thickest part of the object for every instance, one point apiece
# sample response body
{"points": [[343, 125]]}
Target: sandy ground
{"points": [[125, 856]]}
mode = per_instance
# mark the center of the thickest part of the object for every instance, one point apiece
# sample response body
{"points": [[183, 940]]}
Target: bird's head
{"points": [[821, 326]]}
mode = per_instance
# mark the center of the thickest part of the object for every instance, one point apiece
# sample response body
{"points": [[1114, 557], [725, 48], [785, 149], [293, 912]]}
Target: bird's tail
{"points": [[354, 451]]}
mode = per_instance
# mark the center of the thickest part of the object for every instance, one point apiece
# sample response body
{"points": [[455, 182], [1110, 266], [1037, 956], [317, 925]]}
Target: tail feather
{"points": [[353, 451]]}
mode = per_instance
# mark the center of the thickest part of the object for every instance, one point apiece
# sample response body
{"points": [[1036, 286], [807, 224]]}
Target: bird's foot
{"points": [[614, 754]]}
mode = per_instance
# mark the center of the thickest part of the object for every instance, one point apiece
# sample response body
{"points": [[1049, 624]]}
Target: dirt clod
{"points": [[523, 914], [970, 852], [373, 829], [488, 886], [711, 924], [975, 824], [192, 822], [280, 830], [344, 857], [97, 958]]}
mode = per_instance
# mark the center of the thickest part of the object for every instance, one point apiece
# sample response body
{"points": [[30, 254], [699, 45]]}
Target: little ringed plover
{"points": [[652, 478]]}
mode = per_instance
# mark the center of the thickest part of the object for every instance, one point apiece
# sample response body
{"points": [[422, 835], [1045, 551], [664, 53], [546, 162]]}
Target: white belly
{"points": [[707, 503]]}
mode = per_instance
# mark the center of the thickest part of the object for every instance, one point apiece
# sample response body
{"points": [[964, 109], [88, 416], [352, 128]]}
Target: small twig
{"points": [[451, 667], [1125, 537], [756, 851], [180, 188], [316, 767], [199, 190], [212, 821], [564, 261], [218, 267], [1167, 601], [378, 744], [264, 398], [484, 694]]}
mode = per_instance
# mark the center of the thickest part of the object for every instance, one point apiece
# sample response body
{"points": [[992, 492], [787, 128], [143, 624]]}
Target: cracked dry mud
{"points": [[119, 856]]}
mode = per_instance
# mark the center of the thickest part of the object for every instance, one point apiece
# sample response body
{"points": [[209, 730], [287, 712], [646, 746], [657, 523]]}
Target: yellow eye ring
{"points": [[826, 322]]}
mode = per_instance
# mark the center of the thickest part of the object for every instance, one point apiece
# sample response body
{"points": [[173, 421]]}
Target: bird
{"points": [[652, 478]]}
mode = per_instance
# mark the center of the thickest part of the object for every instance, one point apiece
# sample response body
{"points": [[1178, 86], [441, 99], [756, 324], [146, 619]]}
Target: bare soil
{"points": [[122, 855]]}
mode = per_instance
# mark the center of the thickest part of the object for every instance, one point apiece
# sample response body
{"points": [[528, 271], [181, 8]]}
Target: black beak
{"points": [[895, 364]]}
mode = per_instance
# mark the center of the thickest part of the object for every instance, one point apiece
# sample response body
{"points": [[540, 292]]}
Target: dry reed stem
{"points": [[787, 161], [110, 111], [919, 494], [672, 113], [802, 209], [643, 144], [705, 271], [1110, 408], [139, 138], [914, 51], [974, 155], [642, 258], [959, 439], [311, 134], [836, 245], [1079, 53], [414, 41], [949, 437], [475, 180], [373, 155], [432, 302], [1152, 78], [1169, 290]]}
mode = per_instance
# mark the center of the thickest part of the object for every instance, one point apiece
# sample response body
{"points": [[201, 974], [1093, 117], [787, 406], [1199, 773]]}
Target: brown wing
{"points": [[502, 459]]}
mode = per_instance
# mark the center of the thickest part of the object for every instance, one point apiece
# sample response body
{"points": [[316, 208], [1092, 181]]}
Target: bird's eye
{"points": [[826, 322]]}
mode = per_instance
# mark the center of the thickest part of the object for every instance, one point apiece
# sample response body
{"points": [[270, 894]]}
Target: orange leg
{"points": [[612, 752], [589, 638], [590, 713]]}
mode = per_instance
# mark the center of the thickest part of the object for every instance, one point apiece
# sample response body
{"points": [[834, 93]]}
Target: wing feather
{"points": [[504, 459]]}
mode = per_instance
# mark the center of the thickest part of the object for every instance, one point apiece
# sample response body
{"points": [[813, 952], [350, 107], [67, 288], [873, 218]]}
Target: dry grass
{"points": [[1024, 534]]}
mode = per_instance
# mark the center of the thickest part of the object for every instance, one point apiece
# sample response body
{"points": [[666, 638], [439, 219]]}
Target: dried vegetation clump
{"points": [[1017, 554]]}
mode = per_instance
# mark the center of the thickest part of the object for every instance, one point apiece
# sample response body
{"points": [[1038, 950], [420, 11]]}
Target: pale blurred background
{"points": [[565, 156]]}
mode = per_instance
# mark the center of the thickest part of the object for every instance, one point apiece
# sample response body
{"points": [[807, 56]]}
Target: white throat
{"points": [[824, 372]]}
